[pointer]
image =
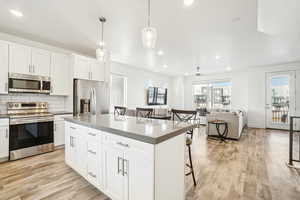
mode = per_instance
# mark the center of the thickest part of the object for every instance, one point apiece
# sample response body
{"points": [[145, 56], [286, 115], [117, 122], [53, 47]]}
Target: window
{"points": [[216, 95], [118, 91]]}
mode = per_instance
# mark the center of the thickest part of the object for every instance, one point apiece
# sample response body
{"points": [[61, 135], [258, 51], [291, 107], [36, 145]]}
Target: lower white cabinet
{"points": [[4, 139], [126, 169], [59, 130]]}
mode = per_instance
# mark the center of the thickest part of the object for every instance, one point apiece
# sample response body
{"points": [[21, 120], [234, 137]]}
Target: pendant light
{"points": [[198, 71], [149, 34], [101, 51]]}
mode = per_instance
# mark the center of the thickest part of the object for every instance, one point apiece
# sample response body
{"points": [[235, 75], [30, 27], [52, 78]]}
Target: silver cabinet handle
{"points": [[71, 141], [92, 152], [6, 133], [123, 145], [92, 134], [119, 159], [72, 128], [92, 175], [6, 87], [125, 163]]}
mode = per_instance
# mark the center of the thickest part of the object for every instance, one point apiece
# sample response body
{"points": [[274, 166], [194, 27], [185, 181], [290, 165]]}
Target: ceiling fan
{"points": [[198, 71]]}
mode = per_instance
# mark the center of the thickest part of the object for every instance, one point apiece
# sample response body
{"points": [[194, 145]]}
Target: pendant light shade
{"points": [[101, 52], [149, 34], [149, 37]]}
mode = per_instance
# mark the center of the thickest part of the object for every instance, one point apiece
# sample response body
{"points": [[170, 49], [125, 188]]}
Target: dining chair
{"points": [[120, 110], [144, 112]]}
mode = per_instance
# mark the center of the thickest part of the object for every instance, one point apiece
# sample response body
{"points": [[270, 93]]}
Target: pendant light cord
{"points": [[149, 14]]}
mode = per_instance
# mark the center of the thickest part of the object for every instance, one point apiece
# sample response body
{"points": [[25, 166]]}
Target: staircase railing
{"points": [[291, 143]]}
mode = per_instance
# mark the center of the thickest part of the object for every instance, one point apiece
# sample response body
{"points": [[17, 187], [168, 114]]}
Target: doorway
{"points": [[280, 99]]}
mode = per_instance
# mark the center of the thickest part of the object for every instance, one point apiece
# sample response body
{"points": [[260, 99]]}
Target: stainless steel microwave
{"points": [[23, 83]]}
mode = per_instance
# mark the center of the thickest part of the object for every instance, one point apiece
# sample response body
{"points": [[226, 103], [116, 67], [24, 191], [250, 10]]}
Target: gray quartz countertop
{"points": [[62, 113], [151, 131]]}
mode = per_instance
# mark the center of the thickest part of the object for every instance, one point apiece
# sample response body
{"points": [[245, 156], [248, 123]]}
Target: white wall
{"points": [[248, 90], [138, 80]]}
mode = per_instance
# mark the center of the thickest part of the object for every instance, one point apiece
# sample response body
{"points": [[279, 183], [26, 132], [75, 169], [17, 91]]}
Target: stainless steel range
{"points": [[31, 129]]}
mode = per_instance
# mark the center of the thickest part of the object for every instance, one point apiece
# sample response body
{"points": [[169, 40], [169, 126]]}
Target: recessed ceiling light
{"points": [[188, 2], [160, 53], [228, 68], [165, 66], [186, 74], [218, 57], [16, 13]]}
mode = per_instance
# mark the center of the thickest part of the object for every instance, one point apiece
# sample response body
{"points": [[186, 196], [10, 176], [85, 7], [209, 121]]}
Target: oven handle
{"points": [[30, 120]]}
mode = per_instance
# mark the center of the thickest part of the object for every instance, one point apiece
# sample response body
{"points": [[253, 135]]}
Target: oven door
{"points": [[24, 85], [30, 134]]}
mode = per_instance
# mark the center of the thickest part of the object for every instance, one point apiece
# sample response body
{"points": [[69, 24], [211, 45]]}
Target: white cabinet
{"points": [[40, 61], [20, 59], [127, 169], [28, 60], [4, 139], [97, 71], [4, 48], [82, 67], [115, 177], [88, 68], [60, 75], [59, 130]]}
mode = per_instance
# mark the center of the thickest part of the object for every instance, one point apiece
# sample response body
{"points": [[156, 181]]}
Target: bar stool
{"points": [[144, 112], [185, 116], [190, 165], [120, 110]]}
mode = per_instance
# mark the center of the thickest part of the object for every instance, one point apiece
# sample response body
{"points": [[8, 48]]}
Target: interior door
{"points": [[280, 99], [4, 68], [20, 59], [41, 61]]}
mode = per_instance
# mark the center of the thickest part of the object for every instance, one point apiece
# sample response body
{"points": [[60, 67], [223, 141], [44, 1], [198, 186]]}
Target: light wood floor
{"points": [[252, 168]]}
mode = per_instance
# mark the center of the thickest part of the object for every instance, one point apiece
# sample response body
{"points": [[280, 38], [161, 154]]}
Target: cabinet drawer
{"points": [[93, 170], [4, 122], [92, 147]]}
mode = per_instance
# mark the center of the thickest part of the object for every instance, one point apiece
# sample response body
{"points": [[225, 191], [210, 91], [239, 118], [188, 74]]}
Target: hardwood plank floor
{"points": [[252, 168]]}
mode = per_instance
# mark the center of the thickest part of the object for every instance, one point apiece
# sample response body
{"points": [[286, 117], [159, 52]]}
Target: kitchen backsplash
{"points": [[56, 103]]}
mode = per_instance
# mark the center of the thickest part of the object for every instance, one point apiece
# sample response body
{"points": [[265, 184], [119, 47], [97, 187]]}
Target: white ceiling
{"points": [[189, 36]]}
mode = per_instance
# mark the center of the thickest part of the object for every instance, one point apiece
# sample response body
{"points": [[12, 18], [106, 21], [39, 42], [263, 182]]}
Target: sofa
{"points": [[236, 122]]}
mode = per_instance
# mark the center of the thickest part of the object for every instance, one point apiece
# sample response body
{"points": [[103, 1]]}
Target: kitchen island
{"points": [[128, 158]]}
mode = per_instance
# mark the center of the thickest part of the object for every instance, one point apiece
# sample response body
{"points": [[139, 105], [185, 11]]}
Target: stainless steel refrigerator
{"points": [[90, 97]]}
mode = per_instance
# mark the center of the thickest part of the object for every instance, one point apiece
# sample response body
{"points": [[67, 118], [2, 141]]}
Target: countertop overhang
{"points": [[150, 131]]}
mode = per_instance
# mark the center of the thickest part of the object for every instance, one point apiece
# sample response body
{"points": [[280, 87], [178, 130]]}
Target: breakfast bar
{"points": [[128, 158]]}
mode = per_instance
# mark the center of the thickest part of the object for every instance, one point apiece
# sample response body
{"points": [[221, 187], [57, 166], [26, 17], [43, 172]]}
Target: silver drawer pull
{"points": [[92, 134], [73, 128], [92, 152], [123, 145], [92, 175]]}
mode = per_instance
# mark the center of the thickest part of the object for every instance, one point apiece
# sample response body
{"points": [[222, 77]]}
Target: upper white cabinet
{"points": [[40, 61], [20, 59], [4, 139], [4, 67], [88, 68], [97, 71], [60, 75], [82, 67], [28, 60]]}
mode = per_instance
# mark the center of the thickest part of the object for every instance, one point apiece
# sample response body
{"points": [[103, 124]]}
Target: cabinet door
{"points": [[60, 74], [114, 180], [97, 71], [20, 59], [41, 61], [59, 133], [139, 170], [4, 68], [67, 143], [4, 140], [81, 150], [82, 68]]}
